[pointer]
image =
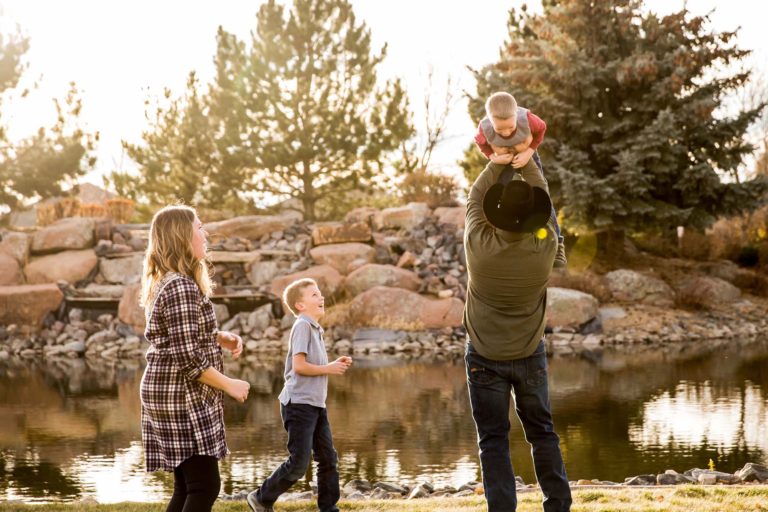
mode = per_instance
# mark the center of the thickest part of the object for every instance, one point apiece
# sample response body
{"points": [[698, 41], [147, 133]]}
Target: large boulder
{"points": [[125, 270], [570, 308], [708, 291], [69, 266], [10, 270], [372, 274], [28, 304], [340, 232], [752, 472], [395, 308], [339, 256], [16, 245], [251, 227], [63, 235], [129, 311], [451, 215], [631, 286], [329, 280], [401, 217]]}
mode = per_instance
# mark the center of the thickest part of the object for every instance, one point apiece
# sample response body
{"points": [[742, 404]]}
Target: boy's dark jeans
{"points": [[537, 161], [308, 433], [490, 385]]}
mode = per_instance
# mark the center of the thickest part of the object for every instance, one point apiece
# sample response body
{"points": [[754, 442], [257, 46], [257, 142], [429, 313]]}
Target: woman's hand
{"points": [[231, 342], [238, 389]]}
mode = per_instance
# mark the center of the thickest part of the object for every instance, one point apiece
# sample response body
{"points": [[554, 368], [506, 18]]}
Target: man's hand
{"points": [[501, 159], [522, 158]]}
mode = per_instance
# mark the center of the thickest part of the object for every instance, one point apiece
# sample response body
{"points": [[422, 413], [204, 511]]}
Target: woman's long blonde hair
{"points": [[170, 250]]}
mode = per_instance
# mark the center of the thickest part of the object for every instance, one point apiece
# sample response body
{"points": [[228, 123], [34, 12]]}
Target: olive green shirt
{"points": [[507, 276]]}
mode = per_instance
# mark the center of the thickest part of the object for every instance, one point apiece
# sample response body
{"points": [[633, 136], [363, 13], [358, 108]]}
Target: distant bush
{"points": [[422, 186]]}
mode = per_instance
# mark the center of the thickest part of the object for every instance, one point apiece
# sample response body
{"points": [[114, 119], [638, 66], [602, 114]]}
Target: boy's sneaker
{"points": [[560, 260], [254, 503]]}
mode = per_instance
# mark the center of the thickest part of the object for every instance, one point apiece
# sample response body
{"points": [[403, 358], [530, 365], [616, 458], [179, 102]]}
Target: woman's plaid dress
{"points": [[180, 416]]}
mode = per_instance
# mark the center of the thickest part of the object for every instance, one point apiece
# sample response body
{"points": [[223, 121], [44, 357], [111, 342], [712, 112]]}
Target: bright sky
{"points": [[119, 53]]}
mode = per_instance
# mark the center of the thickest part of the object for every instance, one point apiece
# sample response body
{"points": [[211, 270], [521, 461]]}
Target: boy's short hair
{"points": [[292, 293], [501, 105]]}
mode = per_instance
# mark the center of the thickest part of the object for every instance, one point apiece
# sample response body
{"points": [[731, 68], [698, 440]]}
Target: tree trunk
{"points": [[610, 246], [308, 195]]}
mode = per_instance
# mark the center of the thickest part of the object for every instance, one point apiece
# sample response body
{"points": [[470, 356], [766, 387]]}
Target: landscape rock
{"points": [[340, 232], [66, 234], [28, 304], [69, 266], [373, 274], [631, 286], [328, 279], [252, 227], [125, 270], [339, 256], [395, 308], [570, 308], [129, 311]]}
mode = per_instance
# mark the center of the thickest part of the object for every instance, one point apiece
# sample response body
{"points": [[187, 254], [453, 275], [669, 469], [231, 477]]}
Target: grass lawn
{"points": [[667, 499]]}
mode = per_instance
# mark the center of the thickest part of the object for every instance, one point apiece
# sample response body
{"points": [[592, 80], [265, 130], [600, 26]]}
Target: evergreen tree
{"points": [[318, 123], [297, 112], [179, 158], [636, 139], [38, 166]]}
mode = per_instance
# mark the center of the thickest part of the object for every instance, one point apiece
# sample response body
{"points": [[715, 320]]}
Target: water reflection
{"points": [[70, 429], [696, 415]]}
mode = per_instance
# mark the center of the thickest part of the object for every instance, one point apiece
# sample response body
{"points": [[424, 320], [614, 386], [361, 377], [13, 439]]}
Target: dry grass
{"points": [[728, 237], [668, 499], [337, 314], [395, 324]]}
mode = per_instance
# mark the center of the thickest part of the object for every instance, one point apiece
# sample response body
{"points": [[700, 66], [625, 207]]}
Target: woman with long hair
{"points": [[182, 413]]}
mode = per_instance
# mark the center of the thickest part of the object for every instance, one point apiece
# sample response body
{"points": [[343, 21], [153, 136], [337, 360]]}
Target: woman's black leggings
{"points": [[196, 485]]}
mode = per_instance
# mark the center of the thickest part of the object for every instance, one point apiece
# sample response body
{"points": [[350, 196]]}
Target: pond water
{"points": [[70, 428]]}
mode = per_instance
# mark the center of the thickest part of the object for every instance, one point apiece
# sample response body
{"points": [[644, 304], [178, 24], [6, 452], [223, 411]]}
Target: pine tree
{"points": [[179, 158], [317, 123], [636, 139], [39, 165], [296, 112]]}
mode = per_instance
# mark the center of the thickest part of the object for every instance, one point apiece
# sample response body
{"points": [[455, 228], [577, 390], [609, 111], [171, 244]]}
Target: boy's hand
{"points": [[501, 159], [521, 159], [231, 342], [339, 366]]}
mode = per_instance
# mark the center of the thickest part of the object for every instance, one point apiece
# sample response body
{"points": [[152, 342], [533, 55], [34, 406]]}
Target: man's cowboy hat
{"points": [[511, 204]]}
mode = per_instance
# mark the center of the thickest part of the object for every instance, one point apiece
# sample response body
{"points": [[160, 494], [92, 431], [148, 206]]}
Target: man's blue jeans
{"points": [[490, 385], [308, 433]]}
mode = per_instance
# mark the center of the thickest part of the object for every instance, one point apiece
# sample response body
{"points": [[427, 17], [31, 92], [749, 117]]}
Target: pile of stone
{"points": [[751, 473], [105, 338], [394, 281], [356, 490]]}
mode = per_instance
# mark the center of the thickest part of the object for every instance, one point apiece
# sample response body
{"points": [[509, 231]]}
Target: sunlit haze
{"points": [[121, 53]]}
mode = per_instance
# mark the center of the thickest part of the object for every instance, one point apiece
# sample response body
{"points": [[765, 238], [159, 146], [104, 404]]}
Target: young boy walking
{"points": [[510, 135], [302, 404]]}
